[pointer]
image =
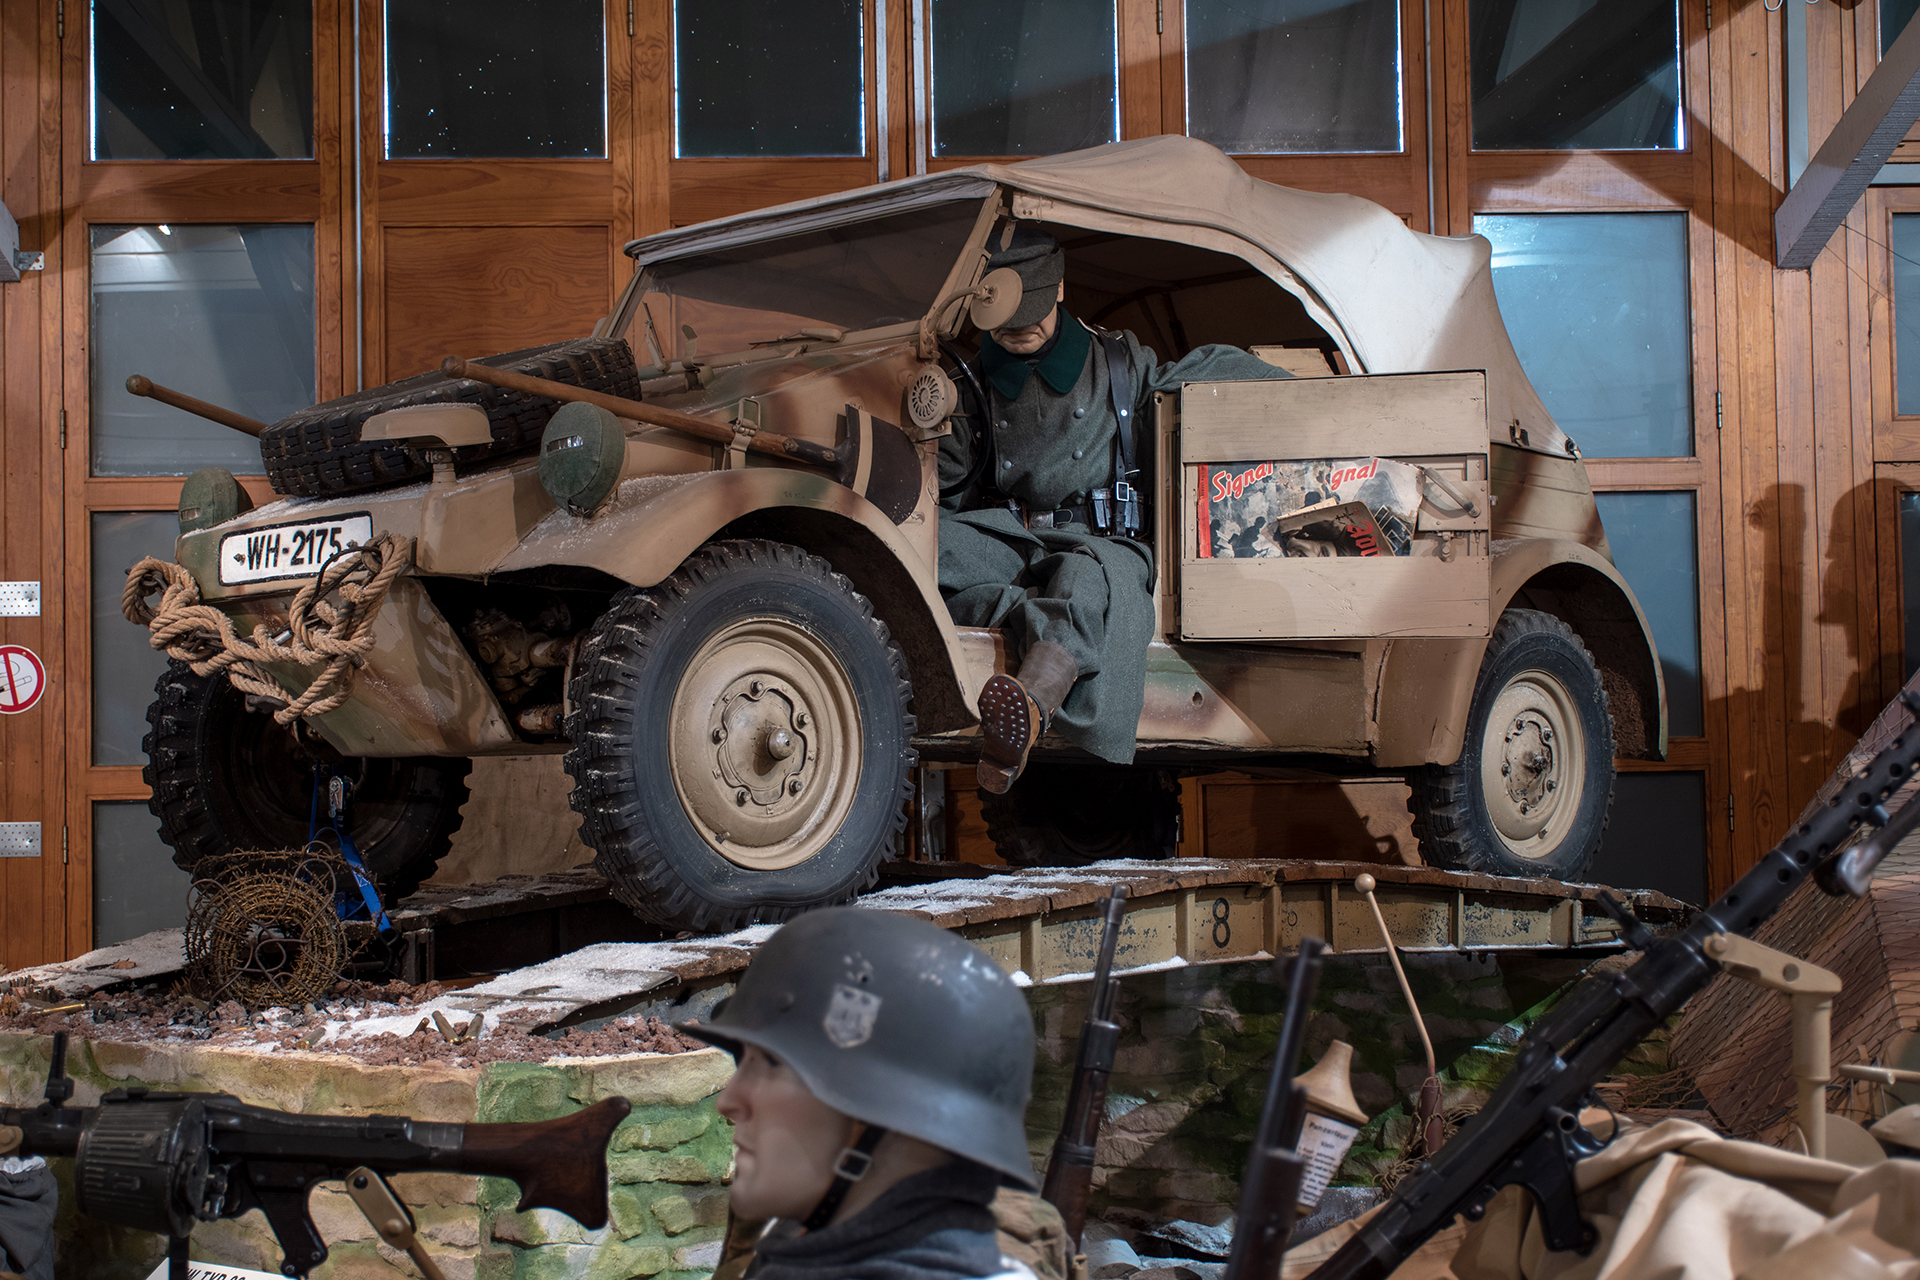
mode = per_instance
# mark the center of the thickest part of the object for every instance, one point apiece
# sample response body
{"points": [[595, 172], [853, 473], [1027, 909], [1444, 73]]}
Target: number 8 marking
{"points": [[1222, 931]]}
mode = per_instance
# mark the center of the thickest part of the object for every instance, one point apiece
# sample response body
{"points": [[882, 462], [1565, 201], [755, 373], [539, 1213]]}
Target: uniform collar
{"points": [[1059, 364]]}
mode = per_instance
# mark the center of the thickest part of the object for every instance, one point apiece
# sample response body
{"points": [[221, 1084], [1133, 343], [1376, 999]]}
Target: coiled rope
{"points": [[335, 636]]}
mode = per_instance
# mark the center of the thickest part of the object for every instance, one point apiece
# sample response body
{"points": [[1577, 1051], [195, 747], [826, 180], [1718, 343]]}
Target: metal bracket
{"points": [[19, 599], [745, 423], [29, 260], [19, 839]]}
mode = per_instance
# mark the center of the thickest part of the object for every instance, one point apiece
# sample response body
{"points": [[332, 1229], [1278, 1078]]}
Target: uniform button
{"points": [[1006, 464], [1079, 453], [1123, 413], [1003, 424], [1080, 413]]}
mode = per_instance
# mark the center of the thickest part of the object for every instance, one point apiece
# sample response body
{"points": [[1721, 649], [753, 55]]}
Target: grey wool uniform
{"points": [[1053, 429]]}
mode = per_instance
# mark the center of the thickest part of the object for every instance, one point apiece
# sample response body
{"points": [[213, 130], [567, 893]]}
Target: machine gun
{"points": [[1070, 1170], [1529, 1134], [161, 1161], [1270, 1189]]}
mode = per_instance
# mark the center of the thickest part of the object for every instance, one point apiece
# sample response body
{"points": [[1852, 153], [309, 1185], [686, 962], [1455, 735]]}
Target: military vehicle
{"points": [[695, 552]]}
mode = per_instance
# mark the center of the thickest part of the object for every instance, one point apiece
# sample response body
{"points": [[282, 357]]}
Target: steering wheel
{"points": [[976, 414]]}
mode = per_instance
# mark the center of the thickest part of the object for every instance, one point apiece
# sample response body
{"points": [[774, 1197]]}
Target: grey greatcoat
{"points": [[1053, 426]]}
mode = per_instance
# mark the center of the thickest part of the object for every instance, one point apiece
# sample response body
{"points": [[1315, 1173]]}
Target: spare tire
{"points": [[318, 452]]}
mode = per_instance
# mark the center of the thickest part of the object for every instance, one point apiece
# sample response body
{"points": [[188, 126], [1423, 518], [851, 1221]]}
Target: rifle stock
{"points": [[1070, 1169], [1529, 1132], [1270, 1187], [161, 1161]]}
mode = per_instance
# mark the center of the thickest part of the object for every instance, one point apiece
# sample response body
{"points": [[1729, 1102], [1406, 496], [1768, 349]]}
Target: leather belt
{"points": [[1058, 518]]}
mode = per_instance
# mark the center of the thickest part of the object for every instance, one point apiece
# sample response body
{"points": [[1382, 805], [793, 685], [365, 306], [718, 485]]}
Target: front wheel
{"points": [[1530, 792], [741, 742]]}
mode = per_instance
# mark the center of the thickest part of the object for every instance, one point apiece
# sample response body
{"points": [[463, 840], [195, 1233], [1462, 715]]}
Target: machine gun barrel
{"points": [[1070, 1169], [161, 1161], [142, 386], [1529, 1133]]}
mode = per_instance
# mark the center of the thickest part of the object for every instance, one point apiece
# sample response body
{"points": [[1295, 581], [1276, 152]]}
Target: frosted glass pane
{"points": [[1656, 837], [221, 313], [1556, 75], [1270, 76], [496, 79], [1894, 16], [1654, 543], [202, 79], [1597, 306], [1023, 77], [125, 666], [769, 78], [136, 887], [1910, 578], [1906, 311]]}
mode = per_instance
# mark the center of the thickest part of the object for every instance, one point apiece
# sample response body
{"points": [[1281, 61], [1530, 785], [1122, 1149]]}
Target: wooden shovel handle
{"points": [[141, 386]]}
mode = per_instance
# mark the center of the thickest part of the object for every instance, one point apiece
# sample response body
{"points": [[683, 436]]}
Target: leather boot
{"points": [[1015, 712]]}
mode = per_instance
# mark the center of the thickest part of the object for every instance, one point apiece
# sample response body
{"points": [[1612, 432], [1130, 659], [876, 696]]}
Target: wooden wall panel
{"points": [[476, 291]]}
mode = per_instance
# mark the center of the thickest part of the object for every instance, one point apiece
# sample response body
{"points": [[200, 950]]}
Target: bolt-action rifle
{"points": [[1270, 1188], [1529, 1134], [162, 1161], [1070, 1170]]}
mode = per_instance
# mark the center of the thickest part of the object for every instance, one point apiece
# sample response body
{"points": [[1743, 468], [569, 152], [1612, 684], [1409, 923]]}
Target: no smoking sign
{"points": [[23, 678]]}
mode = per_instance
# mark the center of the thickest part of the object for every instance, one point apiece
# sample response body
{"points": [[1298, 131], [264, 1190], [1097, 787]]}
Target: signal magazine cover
{"points": [[1320, 507]]}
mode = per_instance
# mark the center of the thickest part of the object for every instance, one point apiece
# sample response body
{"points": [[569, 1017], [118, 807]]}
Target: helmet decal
{"points": [[850, 1016]]}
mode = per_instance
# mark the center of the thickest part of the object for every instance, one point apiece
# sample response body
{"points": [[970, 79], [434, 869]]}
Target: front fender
{"points": [[1426, 686], [653, 523]]}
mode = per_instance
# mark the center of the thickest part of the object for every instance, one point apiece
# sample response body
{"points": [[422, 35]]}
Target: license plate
{"points": [[289, 550]]}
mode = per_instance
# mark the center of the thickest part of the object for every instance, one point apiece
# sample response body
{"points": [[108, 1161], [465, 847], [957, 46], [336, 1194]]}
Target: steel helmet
{"points": [[894, 1021]]}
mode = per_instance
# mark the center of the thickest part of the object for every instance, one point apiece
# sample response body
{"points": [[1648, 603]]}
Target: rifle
{"points": [[1529, 1134], [160, 1161], [1070, 1169], [1270, 1188]]}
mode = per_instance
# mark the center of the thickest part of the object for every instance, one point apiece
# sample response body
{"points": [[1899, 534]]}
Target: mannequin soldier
{"points": [[878, 1105], [1044, 532]]}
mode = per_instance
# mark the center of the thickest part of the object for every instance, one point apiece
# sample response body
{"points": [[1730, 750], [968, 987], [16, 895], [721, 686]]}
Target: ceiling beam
{"points": [[1887, 106]]}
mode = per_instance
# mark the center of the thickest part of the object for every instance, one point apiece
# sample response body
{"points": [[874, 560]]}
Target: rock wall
{"points": [[668, 1161]]}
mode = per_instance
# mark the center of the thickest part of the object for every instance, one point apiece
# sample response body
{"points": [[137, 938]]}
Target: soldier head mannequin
{"points": [[871, 1048], [1025, 340], [1037, 258]]}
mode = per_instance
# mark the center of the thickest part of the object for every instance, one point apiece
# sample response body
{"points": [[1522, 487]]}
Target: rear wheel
{"points": [[740, 739], [1530, 793], [1068, 815], [226, 779]]}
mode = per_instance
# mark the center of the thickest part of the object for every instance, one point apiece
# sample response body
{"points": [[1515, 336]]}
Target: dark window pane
{"points": [[1656, 837], [1894, 16], [222, 313], [1272, 76], [125, 666], [136, 887], [1023, 77], [1597, 306], [1558, 75], [769, 78], [1653, 538], [1910, 578], [498, 79], [862, 276], [1906, 312], [202, 79]]}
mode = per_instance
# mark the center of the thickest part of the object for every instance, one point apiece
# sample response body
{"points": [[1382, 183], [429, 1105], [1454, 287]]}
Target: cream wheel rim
{"points": [[765, 743], [1533, 764]]}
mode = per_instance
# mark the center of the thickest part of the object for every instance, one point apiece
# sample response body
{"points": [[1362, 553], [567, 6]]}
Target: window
{"points": [[125, 666], [769, 78], [1894, 16], [1023, 77], [1654, 544], [1905, 245], [136, 887], [1271, 76], [223, 313], [202, 79], [496, 79], [1597, 306], [1575, 74]]}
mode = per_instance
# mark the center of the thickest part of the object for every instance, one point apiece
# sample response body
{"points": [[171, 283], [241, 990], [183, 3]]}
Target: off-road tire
{"points": [[668, 667], [226, 779], [1068, 815], [1536, 676], [317, 452]]}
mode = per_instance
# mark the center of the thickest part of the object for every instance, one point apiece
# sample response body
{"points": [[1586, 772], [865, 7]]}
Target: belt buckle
{"points": [[1124, 492]]}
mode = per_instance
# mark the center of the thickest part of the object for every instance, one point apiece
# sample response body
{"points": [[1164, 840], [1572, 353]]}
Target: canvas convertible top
{"points": [[1396, 300]]}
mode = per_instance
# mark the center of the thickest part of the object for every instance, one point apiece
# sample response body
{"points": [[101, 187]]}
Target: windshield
{"points": [[859, 276]]}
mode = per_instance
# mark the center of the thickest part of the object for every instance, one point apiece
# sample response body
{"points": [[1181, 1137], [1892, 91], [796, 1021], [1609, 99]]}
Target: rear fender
{"points": [[652, 524], [1426, 686]]}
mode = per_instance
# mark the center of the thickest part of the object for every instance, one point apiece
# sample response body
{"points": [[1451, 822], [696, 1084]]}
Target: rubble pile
{"points": [[361, 1020]]}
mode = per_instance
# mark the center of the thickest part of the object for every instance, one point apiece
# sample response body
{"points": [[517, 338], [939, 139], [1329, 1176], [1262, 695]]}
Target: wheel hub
{"points": [[1533, 764], [765, 742]]}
